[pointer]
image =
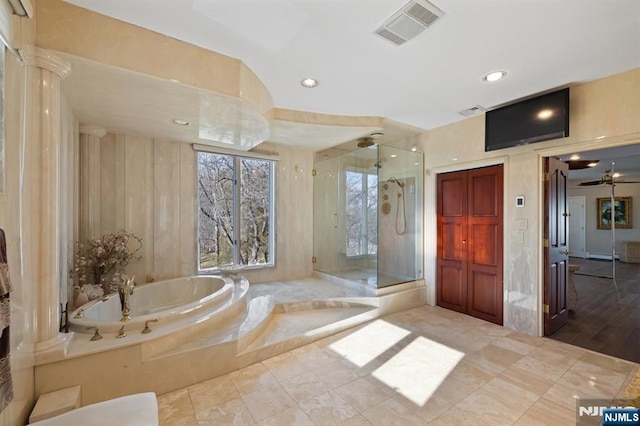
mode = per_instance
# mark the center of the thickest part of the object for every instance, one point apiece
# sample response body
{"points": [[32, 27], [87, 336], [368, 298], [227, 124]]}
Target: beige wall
{"points": [[148, 187], [598, 241], [606, 109]]}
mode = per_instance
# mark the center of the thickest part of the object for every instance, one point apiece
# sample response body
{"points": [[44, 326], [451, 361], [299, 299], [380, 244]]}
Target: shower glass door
{"points": [[368, 216]]}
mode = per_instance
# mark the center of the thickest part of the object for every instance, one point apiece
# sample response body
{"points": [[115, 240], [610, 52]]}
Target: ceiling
{"points": [[624, 160], [542, 44]]}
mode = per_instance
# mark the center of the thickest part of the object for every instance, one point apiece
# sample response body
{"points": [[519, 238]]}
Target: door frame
{"points": [[430, 221]]}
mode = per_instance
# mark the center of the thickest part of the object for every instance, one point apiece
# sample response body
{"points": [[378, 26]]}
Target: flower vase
{"points": [[81, 299]]}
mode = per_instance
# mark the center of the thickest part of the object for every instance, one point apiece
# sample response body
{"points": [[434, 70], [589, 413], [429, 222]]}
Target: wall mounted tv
{"points": [[532, 120]]}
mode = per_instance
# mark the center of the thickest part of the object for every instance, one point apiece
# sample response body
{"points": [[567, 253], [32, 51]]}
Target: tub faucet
{"points": [[125, 289]]}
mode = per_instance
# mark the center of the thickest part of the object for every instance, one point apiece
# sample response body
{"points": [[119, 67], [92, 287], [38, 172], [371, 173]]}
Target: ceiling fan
{"points": [[581, 164], [606, 179]]}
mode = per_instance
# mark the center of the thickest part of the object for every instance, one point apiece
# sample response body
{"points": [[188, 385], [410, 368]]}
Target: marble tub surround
{"points": [[428, 365], [246, 331]]}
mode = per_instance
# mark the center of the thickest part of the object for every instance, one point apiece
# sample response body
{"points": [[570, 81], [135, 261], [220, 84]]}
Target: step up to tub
{"points": [[295, 324], [243, 328]]}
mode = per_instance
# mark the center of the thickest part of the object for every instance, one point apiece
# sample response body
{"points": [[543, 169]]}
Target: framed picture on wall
{"points": [[623, 213]]}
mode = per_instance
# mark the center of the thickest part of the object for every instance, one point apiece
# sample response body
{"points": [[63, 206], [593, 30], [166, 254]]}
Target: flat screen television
{"points": [[537, 119]]}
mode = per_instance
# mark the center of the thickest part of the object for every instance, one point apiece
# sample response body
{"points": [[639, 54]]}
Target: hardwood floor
{"points": [[605, 320]]}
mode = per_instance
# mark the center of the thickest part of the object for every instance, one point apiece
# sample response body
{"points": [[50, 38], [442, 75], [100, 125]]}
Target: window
{"points": [[362, 213], [235, 214]]}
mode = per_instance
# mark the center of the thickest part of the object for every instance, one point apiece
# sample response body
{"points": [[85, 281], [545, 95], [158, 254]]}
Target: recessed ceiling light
{"points": [[393, 156], [454, 159], [574, 157], [616, 175], [309, 83], [593, 164], [180, 121], [600, 137], [494, 76]]}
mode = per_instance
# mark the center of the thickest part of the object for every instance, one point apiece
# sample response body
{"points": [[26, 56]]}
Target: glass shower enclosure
{"points": [[368, 221]]}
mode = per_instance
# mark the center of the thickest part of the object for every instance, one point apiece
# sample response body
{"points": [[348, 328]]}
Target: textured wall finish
{"points": [[607, 107]]}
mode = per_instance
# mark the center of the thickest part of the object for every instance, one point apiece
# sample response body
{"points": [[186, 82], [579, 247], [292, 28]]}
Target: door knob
{"points": [[565, 252], [464, 241], [566, 214]]}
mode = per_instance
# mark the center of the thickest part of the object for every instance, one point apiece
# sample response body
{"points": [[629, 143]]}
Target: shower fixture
{"points": [[365, 142], [401, 222], [392, 179]]}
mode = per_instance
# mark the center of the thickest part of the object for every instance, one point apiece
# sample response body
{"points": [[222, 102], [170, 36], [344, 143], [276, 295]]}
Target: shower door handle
{"points": [[334, 220]]}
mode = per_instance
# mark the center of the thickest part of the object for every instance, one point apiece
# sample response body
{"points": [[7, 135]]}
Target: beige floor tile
{"points": [[468, 373], [293, 416], [565, 397], [446, 395], [305, 386], [361, 394], [545, 413], [317, 357], [391, 412], [593, 379], [357, 420], [494, 359], [545, 363], [531, 382], [479, 408], [508, 393], [328, 409], [212, 392], [191, 420], [285, 366], [252, 378], [267, 401], [525, 338], [564, 349], [608, 362], [336, 374], [508, 342], [174, 406], [232, 412]]}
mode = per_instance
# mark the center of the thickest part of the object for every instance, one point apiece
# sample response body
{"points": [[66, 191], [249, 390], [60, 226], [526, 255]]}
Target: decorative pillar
{"points": [[90, 180], [41, 206]]}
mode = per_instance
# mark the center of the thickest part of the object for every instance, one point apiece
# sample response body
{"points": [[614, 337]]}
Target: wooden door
{"points": [[470, 239], [452, 236], [556, 248]]}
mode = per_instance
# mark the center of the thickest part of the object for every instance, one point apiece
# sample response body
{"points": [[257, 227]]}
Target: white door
{"points": [[577, 237]]}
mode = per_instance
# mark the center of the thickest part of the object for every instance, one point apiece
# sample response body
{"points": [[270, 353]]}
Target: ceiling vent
{"points": [[413, 18], [474, 110]]}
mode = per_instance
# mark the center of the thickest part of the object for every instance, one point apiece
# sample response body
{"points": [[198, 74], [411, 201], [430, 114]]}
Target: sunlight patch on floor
{"points": [[363, 346], [419, 369]]}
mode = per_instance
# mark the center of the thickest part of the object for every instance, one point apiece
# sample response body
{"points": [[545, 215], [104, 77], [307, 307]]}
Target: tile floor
{"points": [[423, 365]]}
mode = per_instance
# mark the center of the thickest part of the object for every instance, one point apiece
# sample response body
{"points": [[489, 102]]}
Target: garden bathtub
{"points": [[166, 301]]}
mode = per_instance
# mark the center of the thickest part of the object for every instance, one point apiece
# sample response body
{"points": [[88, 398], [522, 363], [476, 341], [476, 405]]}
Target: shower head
{"points": [[393, 179], [365, 142]]}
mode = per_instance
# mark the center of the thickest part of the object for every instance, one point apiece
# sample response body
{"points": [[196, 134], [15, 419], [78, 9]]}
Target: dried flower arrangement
{"points": [[97, 258]]}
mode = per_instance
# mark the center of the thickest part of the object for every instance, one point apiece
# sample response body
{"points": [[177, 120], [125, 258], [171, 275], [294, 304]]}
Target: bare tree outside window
{"points": [[361, 213], [235, 211]]}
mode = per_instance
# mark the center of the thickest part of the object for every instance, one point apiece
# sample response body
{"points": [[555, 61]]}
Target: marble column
{"points": [[41, 206], [90, 181]]}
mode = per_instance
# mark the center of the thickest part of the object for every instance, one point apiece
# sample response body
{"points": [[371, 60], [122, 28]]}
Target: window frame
{"points": [[364, 228], [237, 163]]}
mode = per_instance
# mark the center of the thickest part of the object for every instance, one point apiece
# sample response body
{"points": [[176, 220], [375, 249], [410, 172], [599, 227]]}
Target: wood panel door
{"points": [[470, 242], [556, 245]]}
